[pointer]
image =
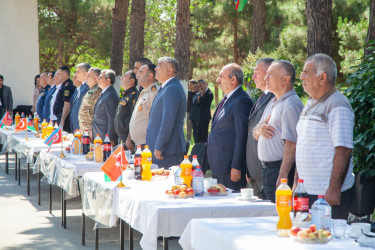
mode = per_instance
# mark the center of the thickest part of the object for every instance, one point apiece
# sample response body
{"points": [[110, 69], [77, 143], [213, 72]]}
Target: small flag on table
{"points": [[6, 120], [55, 137], [30, 126], [112, 166], [22, 125]]}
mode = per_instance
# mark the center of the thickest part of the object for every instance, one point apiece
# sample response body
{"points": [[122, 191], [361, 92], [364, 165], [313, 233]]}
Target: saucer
{"points": [[247, 199], [370, 234]]}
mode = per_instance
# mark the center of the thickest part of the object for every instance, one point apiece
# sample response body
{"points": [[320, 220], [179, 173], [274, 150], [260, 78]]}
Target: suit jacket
{"points": [[75, 104], [254, 165], [47, 105], [104, 114], [204, 105], [165, 129], [226, 145], [7, 98], [194, 108]]}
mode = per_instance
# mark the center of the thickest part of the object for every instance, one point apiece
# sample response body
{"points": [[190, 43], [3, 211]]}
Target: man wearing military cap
{"points": [[126, 105], [139, 119]]}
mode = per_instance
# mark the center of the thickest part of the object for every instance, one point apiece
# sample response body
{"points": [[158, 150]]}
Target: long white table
{"points": [[146, 208], [247, 233]]}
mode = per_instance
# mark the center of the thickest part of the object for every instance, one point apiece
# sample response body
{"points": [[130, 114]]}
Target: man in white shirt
{"points": [[325, 137]]}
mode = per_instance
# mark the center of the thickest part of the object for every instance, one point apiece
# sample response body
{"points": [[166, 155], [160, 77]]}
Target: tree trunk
{"points": [[319, 26], [235, 39], [182, 47], [259, 25], [137, 31], [216, 85], [371, 28], [120, 13]]}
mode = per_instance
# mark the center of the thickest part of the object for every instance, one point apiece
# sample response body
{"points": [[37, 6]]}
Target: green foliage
{"points": [[361, 92]]}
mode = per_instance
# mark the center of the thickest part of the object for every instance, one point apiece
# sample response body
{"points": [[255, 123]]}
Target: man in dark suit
{"points": [[165, 129], [6, 98], [194, 110], [203, 101], [105, 107], [254, 166], [81, 90], [226, 146]]}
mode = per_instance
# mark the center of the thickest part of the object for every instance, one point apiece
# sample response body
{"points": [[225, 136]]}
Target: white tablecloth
{"points": [[146, 208], [64, 172], [247, 233]]}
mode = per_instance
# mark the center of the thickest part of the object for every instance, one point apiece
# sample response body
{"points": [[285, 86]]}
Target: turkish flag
{"points": [[6, 120], [112, 166], [22, 125]]}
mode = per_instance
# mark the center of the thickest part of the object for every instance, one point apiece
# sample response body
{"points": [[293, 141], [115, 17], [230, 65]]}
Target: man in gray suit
{"points": [[6, 98], [254, 166], [105, 107], [165, 134]]}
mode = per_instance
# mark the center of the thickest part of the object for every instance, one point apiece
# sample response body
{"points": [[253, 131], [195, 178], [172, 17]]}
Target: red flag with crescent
{"points": [[22, 125]]}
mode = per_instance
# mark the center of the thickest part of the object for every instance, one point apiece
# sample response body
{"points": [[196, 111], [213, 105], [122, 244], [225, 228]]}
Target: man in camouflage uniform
{"points": [[86, 111], [139, 119], [126, 105]]}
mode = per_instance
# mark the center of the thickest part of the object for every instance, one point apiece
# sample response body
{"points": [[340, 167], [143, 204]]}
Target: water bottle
{"points": [[198, 182], [195, 162], [177, 176], [321, 214]]}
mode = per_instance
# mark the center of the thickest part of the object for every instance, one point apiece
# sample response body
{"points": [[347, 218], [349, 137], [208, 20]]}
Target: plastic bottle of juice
{"points": [[98, 150], [17, 118], [49, 129], [146, 164], [78, 134], [186, 171], [44, 128], [284, 205], [36, 122], [56, 126]]}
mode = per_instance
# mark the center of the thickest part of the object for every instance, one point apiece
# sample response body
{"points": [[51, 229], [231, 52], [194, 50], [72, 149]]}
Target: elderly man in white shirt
{"points": [[325, 137]]}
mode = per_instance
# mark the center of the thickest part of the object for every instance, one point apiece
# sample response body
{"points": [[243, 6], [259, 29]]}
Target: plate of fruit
{"points": [[310, 235], [218, 190], [180, 192]]}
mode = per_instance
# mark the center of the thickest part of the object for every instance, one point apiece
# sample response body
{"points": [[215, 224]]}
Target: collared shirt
{"points": [[284, 114], [231, 93], [139, 120], [103, 90], [324, 124], [52, 116], [165, 83]]}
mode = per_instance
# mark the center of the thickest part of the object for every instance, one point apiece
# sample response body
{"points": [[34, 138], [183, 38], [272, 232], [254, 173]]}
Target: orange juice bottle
{"points": [[186, 171], [36, 122], [17, 118], [78, 134], [284, 205], [146, 164], [44, 128], [49, 129], [98, 150]]}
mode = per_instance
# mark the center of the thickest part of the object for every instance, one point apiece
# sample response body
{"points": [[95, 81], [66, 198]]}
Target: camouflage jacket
{"points": [[86, 111]]}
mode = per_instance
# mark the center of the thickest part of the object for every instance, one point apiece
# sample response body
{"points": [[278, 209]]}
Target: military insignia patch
{"points": [[66, 93], [140, 108], [133, 102], [127, 98], [122, 103], [153, 88], [133, 93]]}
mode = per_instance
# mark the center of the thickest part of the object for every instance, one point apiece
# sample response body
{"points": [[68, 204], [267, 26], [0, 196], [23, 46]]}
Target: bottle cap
{"points": [[138, 146], [194, 156], [146, 146], [320, 196], [106, 135], [186, 156], [283, 180], [97, 135], [300, 180]]}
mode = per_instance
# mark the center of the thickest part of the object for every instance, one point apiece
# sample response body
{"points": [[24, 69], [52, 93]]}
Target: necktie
{"points": [[77, 95], [259, 99], [220, 106]]}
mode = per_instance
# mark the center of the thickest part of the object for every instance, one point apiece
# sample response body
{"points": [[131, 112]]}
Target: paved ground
{"points": [[24, 224]]}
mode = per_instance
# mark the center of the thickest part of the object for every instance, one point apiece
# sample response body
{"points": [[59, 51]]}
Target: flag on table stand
{"points": [[30, 126], [22, 125], [115, 164], [240, 5], [54, 138], [6, 120]]}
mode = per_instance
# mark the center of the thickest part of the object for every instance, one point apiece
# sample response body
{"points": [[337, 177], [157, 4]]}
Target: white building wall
{"points": [[19, 47]]}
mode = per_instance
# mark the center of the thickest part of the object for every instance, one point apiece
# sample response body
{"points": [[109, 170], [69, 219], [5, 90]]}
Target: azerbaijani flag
{"points": [[30, 126], [240, 5], [55, 137], [22, 125], [6, 120]]}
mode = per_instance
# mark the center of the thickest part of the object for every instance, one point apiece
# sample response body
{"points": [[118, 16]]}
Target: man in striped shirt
{"points": [[325, 137]]}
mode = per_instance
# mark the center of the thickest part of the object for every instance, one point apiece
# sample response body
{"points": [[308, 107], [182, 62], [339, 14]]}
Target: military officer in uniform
{"points": [[139, 120], [126, 105], [86, 111], [61, 108]]}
